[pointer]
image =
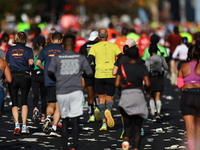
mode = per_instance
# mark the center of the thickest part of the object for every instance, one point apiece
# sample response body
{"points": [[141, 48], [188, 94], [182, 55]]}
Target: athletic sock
{"points": [[102, 108], [158, 106], [191, 144], [54, 127], [152, 107], [109, 105], [90, 109], [96, 101]]}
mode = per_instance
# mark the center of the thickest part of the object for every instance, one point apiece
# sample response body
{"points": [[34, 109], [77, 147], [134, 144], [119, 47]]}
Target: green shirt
{"points": [[161, 50]]}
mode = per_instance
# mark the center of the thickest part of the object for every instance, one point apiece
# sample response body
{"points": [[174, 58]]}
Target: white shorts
{"points": [[71, 105]]}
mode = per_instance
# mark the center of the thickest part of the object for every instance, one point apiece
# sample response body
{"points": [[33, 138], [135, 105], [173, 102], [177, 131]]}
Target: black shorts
{"points": [[190, 103], [51, 94], [89, 81], [105, 86], [157, 84]]}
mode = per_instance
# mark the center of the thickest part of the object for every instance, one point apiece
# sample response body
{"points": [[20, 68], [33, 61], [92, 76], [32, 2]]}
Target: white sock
{"points": [[54, 127], [16, 123], [152, 107], [158, 105]]}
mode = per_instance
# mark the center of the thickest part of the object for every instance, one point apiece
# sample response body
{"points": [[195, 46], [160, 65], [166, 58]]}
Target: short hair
{"points": [[124, 31], [20, 38], [57, 36], [103, 34], [176, 30], [69, 40], [132, 52]]}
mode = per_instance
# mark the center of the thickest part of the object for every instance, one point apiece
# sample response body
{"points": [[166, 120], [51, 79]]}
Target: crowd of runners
{"points": [[60, 67]]}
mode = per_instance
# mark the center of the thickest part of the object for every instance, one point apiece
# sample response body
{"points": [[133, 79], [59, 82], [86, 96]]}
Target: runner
{"points": [[104, 54], [132, 102], [38, 84], [121, 41], [52, 110], [156, 65], [20, 59], [189, 81], [69, 67], [94, 114]]}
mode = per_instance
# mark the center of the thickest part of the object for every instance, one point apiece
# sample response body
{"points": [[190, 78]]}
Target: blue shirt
{"points": [[46, 54], [18, 56]]}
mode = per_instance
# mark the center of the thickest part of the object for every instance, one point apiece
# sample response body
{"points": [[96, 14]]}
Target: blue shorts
{"points": [[1, 98]]}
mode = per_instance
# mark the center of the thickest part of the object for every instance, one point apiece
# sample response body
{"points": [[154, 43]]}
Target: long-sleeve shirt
{"points": [[156, 63]]}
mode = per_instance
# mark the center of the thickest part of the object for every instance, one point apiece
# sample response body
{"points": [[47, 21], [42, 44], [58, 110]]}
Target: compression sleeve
{"points": [[180, 82]]}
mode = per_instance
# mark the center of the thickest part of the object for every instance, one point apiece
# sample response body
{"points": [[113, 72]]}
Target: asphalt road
{"points": [[171, 134]]}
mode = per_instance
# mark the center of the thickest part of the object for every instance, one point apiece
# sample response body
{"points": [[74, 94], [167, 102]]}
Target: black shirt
{"points": [[135, 73]]}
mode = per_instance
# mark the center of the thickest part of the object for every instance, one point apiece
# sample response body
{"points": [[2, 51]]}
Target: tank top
{"points": [[192, 78]]}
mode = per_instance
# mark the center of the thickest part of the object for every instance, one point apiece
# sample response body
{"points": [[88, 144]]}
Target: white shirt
{"points": [[180, 52]]}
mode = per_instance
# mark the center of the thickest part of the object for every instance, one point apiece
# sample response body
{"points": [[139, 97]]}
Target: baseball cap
{"points": [[130, 42], [93, 35]]}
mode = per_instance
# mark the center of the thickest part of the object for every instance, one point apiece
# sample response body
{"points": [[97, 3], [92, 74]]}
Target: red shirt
{"points": [[174, 40], [143, 43], [79, 43]]}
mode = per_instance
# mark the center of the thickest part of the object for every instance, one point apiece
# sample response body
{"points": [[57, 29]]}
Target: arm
{"points": [[39, 64], [147, 63], [117, 80], [176, 52], [90, 58], [146, 83], [114, 72], [180, 82], [7, 73], [165, 66]]}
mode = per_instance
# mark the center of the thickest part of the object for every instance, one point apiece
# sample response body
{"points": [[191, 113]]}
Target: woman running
{"points": [[189, 81], [38, 84], [132, 102], [156, 65], [20, 59]]}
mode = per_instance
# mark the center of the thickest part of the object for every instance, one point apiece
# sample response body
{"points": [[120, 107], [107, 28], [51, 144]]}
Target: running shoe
{"points": [[97, 114], [109, 118], [153, 120], [142, 132], [25, 129], [125, 145], [47, 126], [54, 133], [91, 119], [60, 123], [17, 130], [103, 127], [158, 119], [35, 116]]}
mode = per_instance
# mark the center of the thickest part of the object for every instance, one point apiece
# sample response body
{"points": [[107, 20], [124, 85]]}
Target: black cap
{"points": [[133, 52], [154, 39]]}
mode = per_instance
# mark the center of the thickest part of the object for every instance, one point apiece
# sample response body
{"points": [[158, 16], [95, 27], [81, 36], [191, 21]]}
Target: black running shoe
{"points": [[158, 119], [35, 116], [54, 133], [46, 128]]}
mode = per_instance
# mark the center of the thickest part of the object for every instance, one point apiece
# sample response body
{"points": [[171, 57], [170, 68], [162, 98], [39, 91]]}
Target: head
{"points": [[56, 37], [37, 31], [41, 41], [176, 30], [5, 37], [153, 49], [154, 39], [133, 53], [185, 40], [193, 53], [48, 40], [20, 38], [69, 41], [93, 36], [103, 34], [124, 31]]}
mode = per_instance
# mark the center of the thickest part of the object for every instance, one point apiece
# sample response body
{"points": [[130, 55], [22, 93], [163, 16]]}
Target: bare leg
{"points": [[24, 114], [197, 133], [56, 116], [15, 113]]}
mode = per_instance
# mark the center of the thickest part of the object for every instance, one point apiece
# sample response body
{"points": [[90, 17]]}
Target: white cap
{"points": [[93, 35], [130, 42]]}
